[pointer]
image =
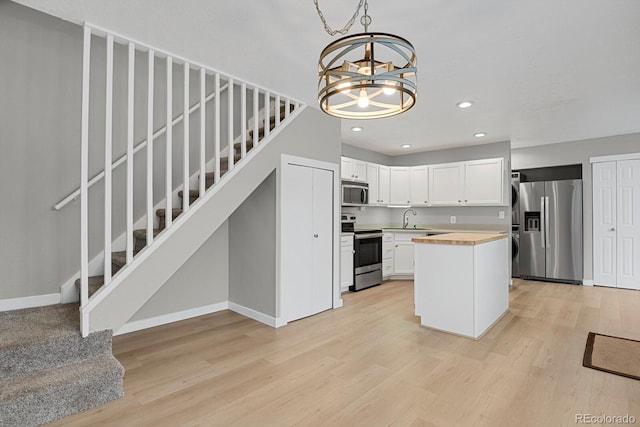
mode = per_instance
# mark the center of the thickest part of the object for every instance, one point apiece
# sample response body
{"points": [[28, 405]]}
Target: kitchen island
{"points": [[461, 281]]}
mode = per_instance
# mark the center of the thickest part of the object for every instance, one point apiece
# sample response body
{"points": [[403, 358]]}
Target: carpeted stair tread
{"points": [[141, 233], [43, 337], [192, 193], [162, 212], [51, 394], [95, 283], [119, 258]]}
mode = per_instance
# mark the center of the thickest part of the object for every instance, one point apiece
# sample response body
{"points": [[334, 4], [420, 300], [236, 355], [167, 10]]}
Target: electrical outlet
{"points": [[453, 220], [501, 214]]}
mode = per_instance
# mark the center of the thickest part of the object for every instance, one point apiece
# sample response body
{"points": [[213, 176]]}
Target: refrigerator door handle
{"points": [[546, 222], [543, 222]]}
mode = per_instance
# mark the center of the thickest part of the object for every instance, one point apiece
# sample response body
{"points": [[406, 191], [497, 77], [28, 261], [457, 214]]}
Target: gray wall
{"points": [[578, 152], [203, 280], [438, 216], [366, 155], [39, 150], [40, 89], [252, 250]]}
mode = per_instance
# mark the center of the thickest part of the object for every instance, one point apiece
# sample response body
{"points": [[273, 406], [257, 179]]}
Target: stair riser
{"points": [[51, 354]]}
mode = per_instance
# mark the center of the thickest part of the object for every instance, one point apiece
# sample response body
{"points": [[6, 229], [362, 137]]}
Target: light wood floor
{"points": [[370, 363]]}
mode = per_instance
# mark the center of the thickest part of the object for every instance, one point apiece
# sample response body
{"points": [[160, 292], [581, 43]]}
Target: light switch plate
{"points": [[501, 214], [453, 220]]}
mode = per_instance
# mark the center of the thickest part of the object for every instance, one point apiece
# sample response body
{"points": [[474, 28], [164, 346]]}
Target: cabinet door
{"points": [[419, 187], [483, 182], [399, 185], [359, 170], [346, 165], [372, 180], [403, 258], [446, 184], [383, 185], [346, 262]]}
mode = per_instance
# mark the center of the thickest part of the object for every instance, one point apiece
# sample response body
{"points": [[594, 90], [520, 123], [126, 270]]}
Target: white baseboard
{"points": [[587, 282], [138, 325], [28, 302], [256, 315]]}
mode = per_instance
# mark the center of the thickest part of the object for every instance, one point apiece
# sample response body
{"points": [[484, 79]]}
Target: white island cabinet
{"points": [[461, 281]]}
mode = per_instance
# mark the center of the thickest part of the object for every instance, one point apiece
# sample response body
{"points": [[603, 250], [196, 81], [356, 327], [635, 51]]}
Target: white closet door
{"points": [[297, 243], [628, 224], [604, 224], [322, 241]]}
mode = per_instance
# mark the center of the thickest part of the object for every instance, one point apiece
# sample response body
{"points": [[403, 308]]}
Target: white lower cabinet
{"points": [[346, 262], [402, 254], [387, 255]]}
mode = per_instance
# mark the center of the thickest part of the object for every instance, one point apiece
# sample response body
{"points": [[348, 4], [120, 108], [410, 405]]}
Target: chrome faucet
{"points": [[405, 220]]}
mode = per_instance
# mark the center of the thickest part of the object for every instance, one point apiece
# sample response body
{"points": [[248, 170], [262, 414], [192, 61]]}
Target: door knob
{"points": [[315, 235]]}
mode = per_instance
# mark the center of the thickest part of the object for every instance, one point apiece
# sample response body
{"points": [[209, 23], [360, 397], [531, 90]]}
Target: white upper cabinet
{"points": [[419, 185], [383, 185], [372, 180], [446, 184], [378, 180], [355, 170], [400, 185], [483, 182], [470, 183]]}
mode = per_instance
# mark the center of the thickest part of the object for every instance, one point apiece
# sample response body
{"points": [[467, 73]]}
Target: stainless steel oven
{"points": [[367, 259]]}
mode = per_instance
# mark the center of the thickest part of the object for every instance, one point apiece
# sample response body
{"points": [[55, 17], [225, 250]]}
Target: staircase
{"points": [[119, 258], [48, 371]]}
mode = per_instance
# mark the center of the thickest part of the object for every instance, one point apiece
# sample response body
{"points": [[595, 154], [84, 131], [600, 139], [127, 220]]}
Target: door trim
{"points": [[614, 157]]}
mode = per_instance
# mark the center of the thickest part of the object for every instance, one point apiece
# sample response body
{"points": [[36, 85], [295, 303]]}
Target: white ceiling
{"points": [[539, 71]]}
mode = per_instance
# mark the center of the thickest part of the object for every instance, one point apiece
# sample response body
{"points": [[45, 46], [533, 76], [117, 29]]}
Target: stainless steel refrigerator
{"points": [[551, 230]]}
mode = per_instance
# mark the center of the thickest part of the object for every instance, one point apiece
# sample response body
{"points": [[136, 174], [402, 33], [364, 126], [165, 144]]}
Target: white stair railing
{"points": [[209, 146]]}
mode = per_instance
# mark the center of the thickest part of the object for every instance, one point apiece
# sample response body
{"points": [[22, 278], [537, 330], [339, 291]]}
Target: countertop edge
{"points": [[460, 239]]}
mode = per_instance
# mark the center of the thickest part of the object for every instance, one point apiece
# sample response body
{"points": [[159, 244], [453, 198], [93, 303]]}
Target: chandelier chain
{"points": [[344, 30]]}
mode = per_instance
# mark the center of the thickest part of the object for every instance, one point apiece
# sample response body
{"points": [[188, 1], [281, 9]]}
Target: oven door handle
{"points": [[367, 236]]}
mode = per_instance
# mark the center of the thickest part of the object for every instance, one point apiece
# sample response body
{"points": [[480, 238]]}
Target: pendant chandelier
{"points": [[366, 75]]}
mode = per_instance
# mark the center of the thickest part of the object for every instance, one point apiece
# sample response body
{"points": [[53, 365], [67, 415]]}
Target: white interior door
{"points": [[628, 224], [297, 243], [322, 241], [604, 224]]}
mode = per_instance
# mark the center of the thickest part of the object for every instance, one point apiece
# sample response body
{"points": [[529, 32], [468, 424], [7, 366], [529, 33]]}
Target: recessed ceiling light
{"points": [[356, 129], [480, 134], [464, 104], [405, 145]]}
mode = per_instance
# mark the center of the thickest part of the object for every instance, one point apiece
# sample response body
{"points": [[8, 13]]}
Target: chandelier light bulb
{"points": [[363, 100], [344, 87], [389, 89]]}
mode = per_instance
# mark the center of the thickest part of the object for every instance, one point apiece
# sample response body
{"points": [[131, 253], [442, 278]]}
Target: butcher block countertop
{"points": [[460, 238]]}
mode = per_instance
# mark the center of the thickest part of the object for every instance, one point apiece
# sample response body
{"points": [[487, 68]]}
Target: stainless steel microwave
{"points": [[355, 193]]}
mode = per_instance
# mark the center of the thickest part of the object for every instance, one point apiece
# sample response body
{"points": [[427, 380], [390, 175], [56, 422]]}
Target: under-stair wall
{"points": [[310, 134]]}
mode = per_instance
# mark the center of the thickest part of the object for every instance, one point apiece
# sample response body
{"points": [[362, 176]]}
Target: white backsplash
{"points": [[374, 216]]}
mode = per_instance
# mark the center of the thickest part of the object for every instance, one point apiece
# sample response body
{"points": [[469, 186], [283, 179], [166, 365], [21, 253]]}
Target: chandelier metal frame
{"points": [[358, 75]]}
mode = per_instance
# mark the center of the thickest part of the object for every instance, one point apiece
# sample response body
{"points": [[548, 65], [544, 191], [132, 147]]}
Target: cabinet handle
{"points": [[425, 202], [315, 235], [396, 246], [408, 201], [459, 201], [466, 201], [353, 251], [612, 229]]}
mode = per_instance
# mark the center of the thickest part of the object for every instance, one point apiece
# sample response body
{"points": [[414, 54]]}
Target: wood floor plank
{"points": [[370, 363]]}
